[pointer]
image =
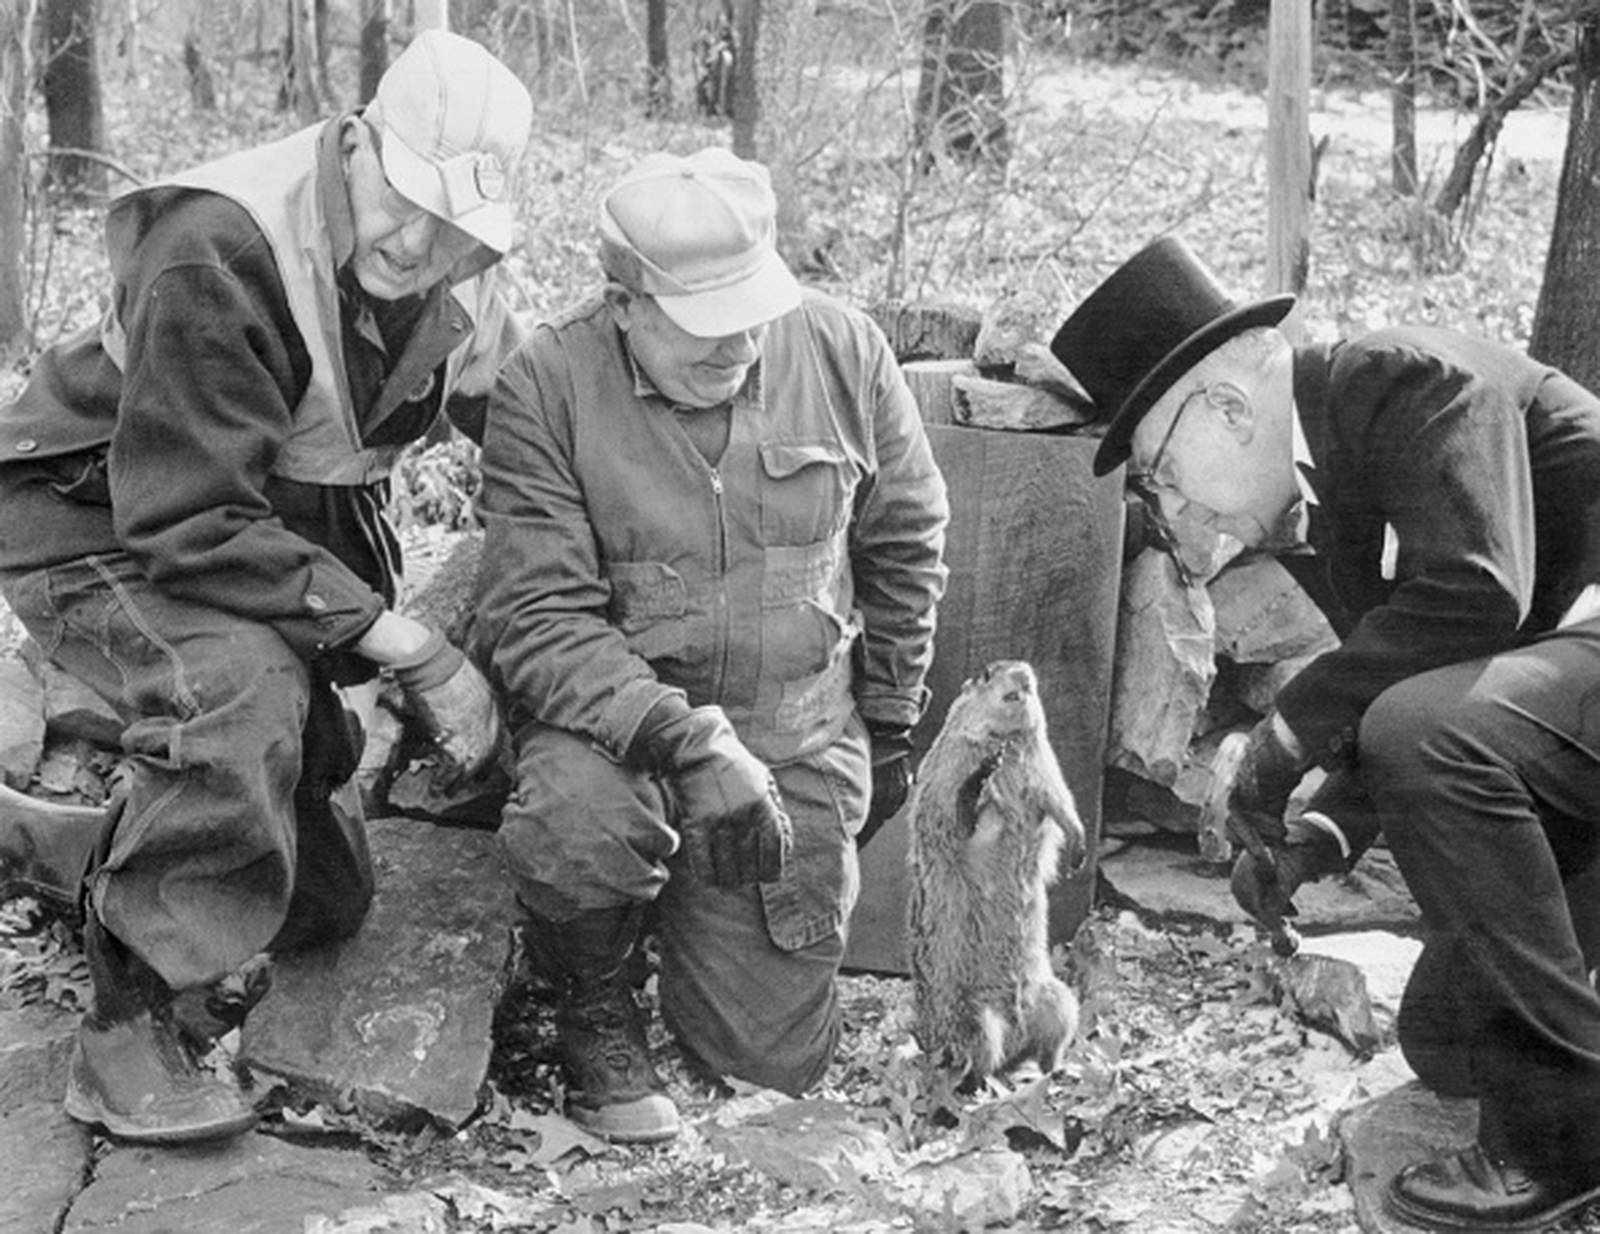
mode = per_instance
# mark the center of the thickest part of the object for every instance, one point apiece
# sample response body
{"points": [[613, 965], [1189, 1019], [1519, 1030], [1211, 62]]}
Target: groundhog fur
{"points": [[989, 815]]}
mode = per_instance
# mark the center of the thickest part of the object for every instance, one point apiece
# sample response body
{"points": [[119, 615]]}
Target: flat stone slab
{"points": [[253, 1184], [44, 1160], [1168, 879], [35, 1044], [1380, 1137], [397, 1020]]}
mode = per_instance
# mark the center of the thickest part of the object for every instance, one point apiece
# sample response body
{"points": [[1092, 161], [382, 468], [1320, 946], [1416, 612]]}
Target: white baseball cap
{"points": [[454, 122]]}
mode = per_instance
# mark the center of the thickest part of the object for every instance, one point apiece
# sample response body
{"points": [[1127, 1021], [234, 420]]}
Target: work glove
{"points": [[891, 778], [733, 822], [1264, 885], [454, 703], [1266, 775]]}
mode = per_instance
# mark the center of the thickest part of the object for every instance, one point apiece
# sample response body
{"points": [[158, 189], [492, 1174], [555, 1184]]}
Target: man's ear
{"points": [[1235, 407], [620, 301]]}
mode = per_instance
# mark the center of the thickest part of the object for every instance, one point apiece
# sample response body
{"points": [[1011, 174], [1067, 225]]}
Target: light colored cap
{"points": [[454, 123], [701, 230]]}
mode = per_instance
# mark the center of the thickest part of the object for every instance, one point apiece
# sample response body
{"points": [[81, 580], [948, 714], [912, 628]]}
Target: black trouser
{"points": [[1485, 777]]}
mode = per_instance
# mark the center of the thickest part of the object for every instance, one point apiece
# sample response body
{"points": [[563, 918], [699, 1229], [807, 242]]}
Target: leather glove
{"points": [[1267, 774], [1264, 885], [891, 778], [734, 825], [454, 703]]}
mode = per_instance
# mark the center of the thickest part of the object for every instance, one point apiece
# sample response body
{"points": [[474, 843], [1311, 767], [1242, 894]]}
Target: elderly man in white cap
{"points": [[714, 536], [192, 522]]}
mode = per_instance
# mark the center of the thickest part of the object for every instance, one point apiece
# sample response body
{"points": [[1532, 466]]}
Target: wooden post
{"points": [[1288, 150]]}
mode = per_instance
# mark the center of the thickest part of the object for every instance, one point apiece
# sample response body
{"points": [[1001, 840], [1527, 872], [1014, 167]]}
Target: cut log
{"points": [[928, 330]]}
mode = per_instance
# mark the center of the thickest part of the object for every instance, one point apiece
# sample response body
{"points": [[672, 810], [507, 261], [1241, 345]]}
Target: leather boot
{"points": [[130, 1071], [46, 849], [613, 1089]]}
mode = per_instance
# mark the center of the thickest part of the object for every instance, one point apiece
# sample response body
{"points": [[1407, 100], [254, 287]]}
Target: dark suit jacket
{"points": [[1487, 467]]}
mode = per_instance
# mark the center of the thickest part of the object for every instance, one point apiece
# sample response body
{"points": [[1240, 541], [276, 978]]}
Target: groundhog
{"points": [[989, 816]]}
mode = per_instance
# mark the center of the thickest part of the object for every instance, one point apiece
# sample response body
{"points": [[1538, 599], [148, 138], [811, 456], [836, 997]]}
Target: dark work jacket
{"points": [[183, 454], [1485, 464]]}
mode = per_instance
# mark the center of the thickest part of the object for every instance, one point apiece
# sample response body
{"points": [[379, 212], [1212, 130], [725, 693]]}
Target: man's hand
{"points": [[1264, 885], [453, 702], [891, 779], [1267, 773], [733, 822]]}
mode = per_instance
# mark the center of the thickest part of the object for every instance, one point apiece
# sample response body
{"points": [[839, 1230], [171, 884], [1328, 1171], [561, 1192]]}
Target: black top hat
{"points": [[1154, 318]]}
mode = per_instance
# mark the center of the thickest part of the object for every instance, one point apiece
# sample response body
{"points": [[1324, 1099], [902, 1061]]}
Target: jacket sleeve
{"points": [[1444, 452], [541, 626], [208, 380], [896, 546]]}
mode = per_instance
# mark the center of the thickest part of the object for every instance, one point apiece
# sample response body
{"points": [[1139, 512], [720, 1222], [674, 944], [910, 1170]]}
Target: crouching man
{"points": [[713, 551]]}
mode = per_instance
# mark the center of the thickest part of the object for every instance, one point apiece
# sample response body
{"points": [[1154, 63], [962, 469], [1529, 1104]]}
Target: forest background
{"points": [[1193, 1095]]}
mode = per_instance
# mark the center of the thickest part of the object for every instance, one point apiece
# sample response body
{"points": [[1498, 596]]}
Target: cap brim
{"points": [[1117, 444], [418, 180], [765, 294]]}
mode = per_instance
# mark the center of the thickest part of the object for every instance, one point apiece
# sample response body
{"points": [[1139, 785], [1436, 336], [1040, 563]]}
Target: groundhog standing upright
{"points": [[989, 816]]}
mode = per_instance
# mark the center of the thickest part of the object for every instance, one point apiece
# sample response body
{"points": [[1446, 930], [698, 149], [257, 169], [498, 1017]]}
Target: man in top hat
{"points": [[715, 533], [1447, 490], [192, 522]]}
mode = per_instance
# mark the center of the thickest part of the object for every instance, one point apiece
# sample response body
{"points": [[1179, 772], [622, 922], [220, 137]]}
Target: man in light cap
{"points": [[715, 531], [1439, 495], [192, 500]]}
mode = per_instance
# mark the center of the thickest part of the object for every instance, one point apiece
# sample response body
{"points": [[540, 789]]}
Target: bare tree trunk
{"points": [[319, 45], [746, 91], [1403, 95], [961, 94], [1566, 323], [72, 99], [374, 46], [1491, 118], [15, 19], [658, 72], [299, 93], [1289, 148], [431, 15]]}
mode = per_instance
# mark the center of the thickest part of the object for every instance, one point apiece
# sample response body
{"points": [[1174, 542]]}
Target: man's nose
{"points": [[739, 348], [417, 233]]}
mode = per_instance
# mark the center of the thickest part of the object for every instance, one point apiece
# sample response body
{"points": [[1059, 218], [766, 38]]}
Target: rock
{"points": [[44, 1159], [1170, 881], [22, 725], [967, 1193], [1011, 321], [1384, 958], [444, 600], [1383, 1135], [1163, 672], [396, 1021], [814, 1145], [253, 1184], [1263, 615], [35, 1043], [72, 709], [1008, 405], [1036, 365], [933, 385], [1330, 994]]}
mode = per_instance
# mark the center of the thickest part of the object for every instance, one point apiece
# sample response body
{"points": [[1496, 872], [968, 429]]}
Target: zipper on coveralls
{"points": [[722, 580]]}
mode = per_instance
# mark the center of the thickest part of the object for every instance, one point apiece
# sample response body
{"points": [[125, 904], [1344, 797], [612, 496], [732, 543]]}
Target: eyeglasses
{"points": [[1146, 482], [394, 203]]}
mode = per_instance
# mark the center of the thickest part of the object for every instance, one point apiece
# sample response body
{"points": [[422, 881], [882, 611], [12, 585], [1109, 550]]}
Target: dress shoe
{"points": [[1472, 1190]]}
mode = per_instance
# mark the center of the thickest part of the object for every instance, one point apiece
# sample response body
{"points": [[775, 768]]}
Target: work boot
{"points": [[130, 1071], [613, 1090], [46, 849]]}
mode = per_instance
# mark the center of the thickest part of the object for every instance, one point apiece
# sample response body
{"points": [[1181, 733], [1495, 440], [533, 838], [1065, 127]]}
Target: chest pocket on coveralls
{"points": [[806, 491]]}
